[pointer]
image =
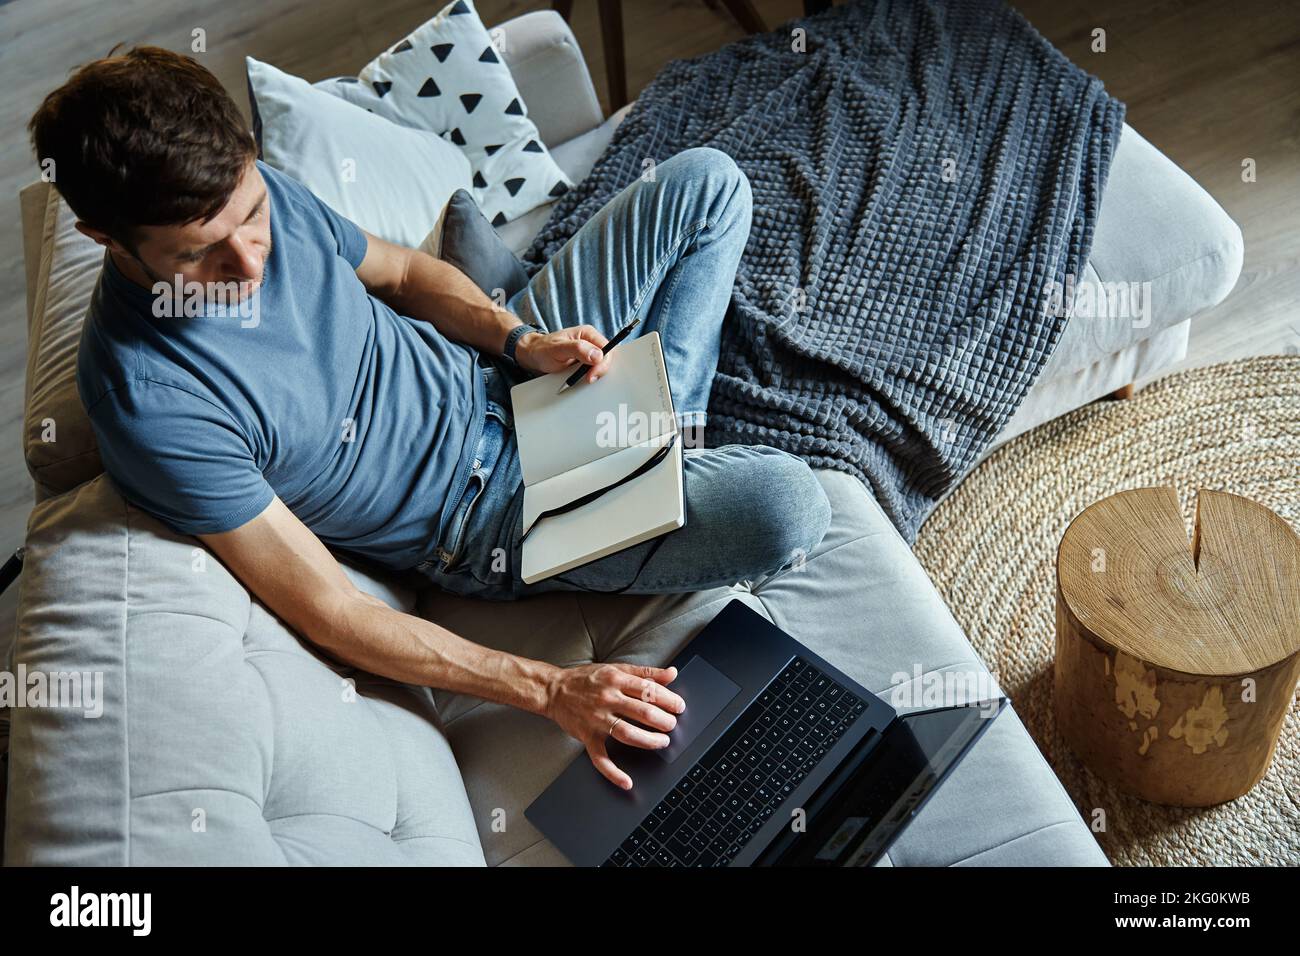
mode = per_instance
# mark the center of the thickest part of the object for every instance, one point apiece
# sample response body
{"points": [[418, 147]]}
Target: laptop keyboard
{"points": [[734, 789]]}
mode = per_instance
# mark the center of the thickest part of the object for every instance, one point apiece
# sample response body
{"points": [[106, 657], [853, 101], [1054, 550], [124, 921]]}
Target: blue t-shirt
{"points": [[360, 419]]}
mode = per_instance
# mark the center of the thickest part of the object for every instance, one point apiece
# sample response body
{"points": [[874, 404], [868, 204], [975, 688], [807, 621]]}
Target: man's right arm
{"points": [[185, 460], [286, 565], [281, 561]]}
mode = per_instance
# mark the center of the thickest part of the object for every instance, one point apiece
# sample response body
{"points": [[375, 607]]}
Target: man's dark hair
{"points": [[147, 138]]}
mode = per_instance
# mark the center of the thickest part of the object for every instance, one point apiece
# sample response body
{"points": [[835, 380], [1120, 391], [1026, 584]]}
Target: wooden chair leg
{"points": [[1122, 394], [611, 29], [746, 15]]}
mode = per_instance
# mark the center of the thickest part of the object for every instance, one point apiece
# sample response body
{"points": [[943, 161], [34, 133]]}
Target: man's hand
{"points": [[586, 700], [554, 351]]}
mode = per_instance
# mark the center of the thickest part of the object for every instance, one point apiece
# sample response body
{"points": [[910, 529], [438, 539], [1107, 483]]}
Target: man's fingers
{"points": [[647, 684], [660, 675], [606, 767], [592, 334], [576, 350], [634, 736], [589, 353], [587, 347], [648, 713]]}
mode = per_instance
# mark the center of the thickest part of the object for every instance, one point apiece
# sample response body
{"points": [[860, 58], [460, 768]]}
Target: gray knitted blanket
{"points": [[921, 172]]}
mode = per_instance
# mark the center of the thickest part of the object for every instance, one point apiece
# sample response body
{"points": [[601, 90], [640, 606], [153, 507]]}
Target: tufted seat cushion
{"points": [[223, 739]]}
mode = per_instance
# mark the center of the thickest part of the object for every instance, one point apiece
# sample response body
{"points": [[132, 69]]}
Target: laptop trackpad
{"points": [[706, 691]]}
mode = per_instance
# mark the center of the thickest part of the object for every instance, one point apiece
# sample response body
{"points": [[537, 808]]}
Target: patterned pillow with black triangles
{"points": [[449, 78]]}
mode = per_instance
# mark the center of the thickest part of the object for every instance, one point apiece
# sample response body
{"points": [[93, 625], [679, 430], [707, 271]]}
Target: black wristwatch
{"points": [[517, 333]]}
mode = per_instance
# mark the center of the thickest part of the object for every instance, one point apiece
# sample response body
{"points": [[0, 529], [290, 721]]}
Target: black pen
{"points": [[582, 369]]}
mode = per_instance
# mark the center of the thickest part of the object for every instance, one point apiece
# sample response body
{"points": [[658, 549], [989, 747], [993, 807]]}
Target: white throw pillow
{"points": [[390, 180], [448, 78]]}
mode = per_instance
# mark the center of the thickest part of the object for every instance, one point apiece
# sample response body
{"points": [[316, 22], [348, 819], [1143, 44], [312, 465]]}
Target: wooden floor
{"points": [[1208, 83]]}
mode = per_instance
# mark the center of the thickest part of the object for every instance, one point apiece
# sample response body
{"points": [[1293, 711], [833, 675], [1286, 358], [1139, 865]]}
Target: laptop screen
{"points": [[876, 792]]}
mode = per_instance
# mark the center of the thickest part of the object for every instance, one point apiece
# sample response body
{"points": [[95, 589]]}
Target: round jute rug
{"points": [[991, 546]]}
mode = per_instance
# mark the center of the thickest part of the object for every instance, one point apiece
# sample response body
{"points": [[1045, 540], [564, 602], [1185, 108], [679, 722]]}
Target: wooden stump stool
{"points": [[1176, 662]]}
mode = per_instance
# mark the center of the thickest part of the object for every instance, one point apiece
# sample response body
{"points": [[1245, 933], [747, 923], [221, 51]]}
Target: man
{"points": [[364, 407]]}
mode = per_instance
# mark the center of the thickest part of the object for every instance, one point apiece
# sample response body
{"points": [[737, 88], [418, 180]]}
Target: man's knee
{"points": [[704, 163], [791, 513], [715, 175]]}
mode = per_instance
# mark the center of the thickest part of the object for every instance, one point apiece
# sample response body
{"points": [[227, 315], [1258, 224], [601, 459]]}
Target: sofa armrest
{"points": [[548, 67], [32, 200]]}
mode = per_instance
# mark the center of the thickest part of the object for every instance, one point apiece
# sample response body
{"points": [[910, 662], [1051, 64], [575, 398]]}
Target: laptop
{"points": [[780, 759]]}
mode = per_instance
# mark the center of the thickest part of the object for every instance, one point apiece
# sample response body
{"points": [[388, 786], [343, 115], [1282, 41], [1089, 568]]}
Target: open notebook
{"points": [[588, 438]]}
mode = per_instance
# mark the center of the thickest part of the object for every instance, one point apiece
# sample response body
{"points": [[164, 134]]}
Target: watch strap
{"points": [[512, 340]]}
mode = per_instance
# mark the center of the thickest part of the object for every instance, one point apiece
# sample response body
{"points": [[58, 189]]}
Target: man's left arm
{"points": [[416, 284]]}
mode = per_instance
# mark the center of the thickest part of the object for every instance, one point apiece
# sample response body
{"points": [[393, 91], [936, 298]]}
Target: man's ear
{"points": [[103, 238]]}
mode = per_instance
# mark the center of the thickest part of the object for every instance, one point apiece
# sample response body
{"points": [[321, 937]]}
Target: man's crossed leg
{"points": [[664, 250]]}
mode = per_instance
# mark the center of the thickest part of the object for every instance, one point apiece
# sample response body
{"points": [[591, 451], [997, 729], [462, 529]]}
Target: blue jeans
{"points": [[665, 250]]}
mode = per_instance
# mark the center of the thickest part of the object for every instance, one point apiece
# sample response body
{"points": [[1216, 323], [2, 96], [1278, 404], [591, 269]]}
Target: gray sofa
{"points": [[224, 738]]}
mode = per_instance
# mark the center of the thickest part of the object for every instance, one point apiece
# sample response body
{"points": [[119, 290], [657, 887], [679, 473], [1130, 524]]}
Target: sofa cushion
{"points": [[861, 601], [576, 157], [448, 77], [1062, 392], [222, 738], [390, 180], [466, 240], [549, 69], [1163, 250]]}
